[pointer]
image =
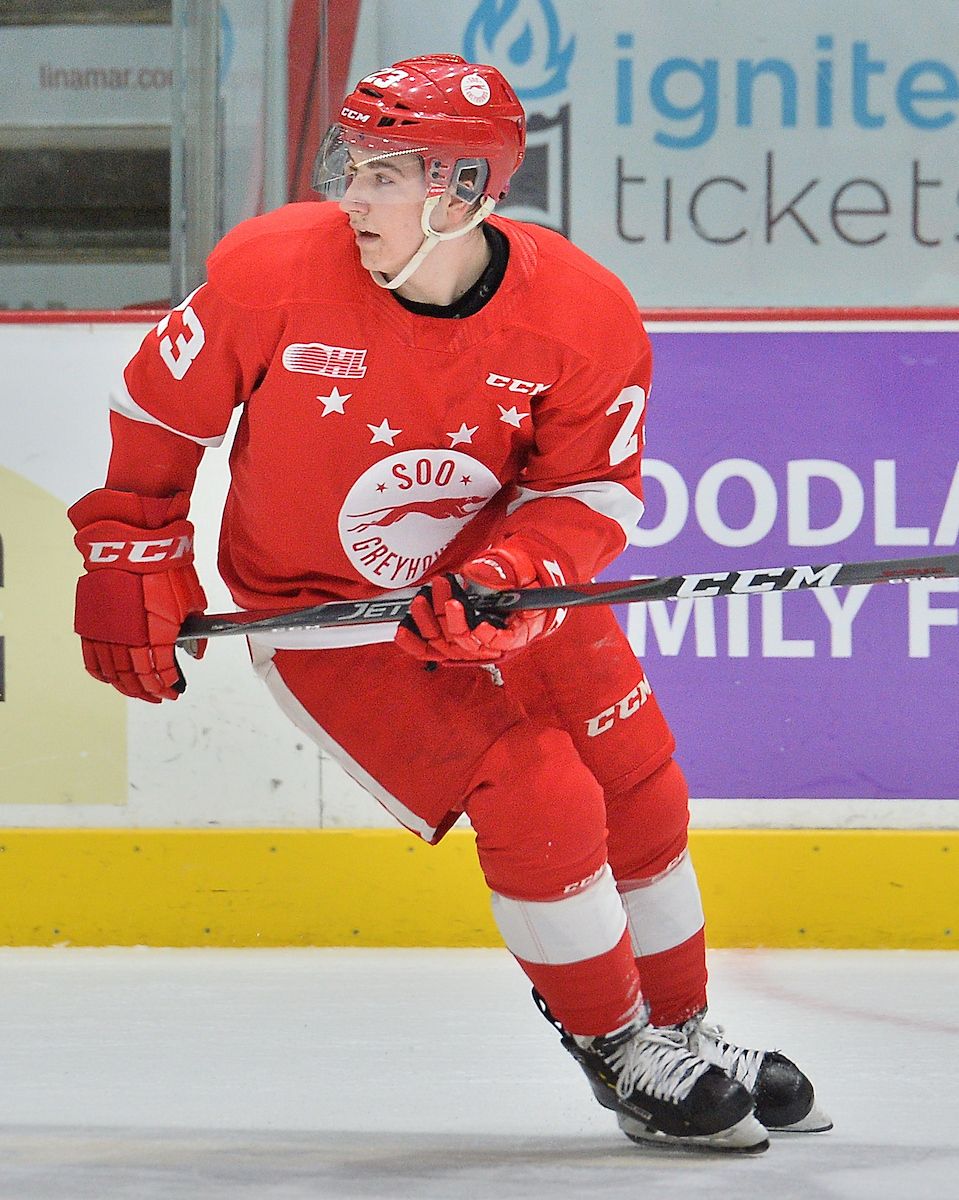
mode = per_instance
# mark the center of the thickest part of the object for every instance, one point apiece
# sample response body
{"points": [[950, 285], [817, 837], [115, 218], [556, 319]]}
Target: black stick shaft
{"points": [[672, 587]]}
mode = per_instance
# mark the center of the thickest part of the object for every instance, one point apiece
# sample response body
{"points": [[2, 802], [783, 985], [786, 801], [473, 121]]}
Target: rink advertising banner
{"points": [[785, 444], [725, 152], [790, 445], [86, 75], [62, 736]]}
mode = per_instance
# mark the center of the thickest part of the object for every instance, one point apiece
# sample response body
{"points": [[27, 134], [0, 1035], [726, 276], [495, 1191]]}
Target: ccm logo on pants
{"points": [[632, 702]]}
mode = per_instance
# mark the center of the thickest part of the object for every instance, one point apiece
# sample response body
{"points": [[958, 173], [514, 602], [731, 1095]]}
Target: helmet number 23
{"points": [[179, 351], [387, 78], [626, 442]]}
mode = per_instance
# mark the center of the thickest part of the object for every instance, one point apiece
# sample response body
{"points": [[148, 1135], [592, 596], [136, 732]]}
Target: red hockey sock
{"points": [[592, 996], [674, 981]]}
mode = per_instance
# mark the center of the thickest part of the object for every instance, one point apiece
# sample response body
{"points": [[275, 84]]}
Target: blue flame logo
{"points": [[524, 38]]}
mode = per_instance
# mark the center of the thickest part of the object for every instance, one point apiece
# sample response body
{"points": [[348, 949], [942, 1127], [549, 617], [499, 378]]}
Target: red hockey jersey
{"points": [[377, 446]]}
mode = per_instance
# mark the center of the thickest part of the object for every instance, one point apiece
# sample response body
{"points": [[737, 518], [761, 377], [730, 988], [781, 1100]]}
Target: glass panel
{"points": [[84, 154], [107, 110]]}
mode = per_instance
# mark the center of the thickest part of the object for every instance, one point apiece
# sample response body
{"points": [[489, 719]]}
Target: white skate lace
{"points": [[657, 1062], [708, 1042]]}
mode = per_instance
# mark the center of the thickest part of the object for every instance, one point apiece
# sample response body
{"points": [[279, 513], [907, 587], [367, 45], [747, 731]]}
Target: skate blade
{"points": [[815, 1121], [745, 1137]]}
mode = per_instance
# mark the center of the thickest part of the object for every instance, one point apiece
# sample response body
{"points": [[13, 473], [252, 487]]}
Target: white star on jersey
{"points": [[463, 436], [382, 433], [334, 401], [510, 416]]}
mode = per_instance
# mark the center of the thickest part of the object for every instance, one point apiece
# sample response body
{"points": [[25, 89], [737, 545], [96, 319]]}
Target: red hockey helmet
{"points": [[463, 119]]}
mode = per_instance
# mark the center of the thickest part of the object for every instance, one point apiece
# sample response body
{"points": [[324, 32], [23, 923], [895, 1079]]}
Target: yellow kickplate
{"points": [[262, 887]]}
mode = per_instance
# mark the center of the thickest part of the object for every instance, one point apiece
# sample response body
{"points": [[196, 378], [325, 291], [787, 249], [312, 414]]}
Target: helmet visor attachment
{"points": [[344, 149]]}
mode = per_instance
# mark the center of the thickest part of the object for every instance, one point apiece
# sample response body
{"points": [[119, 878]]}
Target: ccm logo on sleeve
{"points": [[155, 551], [631, 703], [525, 387]]}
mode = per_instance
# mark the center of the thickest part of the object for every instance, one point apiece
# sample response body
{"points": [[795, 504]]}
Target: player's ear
{"points": [[454, 211]]}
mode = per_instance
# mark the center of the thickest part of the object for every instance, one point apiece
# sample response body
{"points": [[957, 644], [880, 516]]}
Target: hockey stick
{"points": [[632, 591]]}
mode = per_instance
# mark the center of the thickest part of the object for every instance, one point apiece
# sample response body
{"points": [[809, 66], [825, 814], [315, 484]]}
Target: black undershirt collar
{"points": [[482, 290]]}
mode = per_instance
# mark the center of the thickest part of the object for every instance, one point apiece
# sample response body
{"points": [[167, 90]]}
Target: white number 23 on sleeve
{"points": [[178, 353], [626, 441]]}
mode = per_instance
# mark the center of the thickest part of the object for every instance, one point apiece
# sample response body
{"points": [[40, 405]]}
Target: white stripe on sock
{"points": [[567, 930], [664, 911]]}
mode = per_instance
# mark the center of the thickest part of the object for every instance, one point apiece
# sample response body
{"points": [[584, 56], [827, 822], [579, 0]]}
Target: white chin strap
{"points": [[431, 238]]}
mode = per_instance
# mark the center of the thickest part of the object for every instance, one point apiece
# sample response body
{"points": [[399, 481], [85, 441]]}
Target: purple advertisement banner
{"points": [[774, 446]]}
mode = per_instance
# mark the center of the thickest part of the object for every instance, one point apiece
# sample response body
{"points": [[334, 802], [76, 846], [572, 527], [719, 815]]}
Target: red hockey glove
{"points": [[443, 624], [139, 587]]}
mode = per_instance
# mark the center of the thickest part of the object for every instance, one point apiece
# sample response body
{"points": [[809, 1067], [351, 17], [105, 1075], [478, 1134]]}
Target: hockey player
{"points": [[434, 395]]}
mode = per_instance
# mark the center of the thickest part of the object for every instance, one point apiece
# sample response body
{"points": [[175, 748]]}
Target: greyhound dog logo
{"points": [[440, 510], [402, 512]]}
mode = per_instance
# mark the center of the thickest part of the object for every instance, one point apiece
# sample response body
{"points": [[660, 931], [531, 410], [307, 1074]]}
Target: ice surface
{"points": [[428, 1075]]}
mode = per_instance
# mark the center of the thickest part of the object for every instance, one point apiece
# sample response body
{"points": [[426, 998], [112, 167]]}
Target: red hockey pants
{"points": [[566, 775]]}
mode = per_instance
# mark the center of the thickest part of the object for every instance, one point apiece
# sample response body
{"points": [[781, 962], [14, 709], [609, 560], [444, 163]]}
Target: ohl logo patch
{"points": [[402, 513]]}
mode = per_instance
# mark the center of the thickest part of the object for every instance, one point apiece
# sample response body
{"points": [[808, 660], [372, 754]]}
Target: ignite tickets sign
{"points": [[711, 155]]}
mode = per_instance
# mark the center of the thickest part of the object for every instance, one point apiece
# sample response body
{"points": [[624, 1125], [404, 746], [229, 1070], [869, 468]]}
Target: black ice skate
{"points": [[660, 1092], [785, 1100]]}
